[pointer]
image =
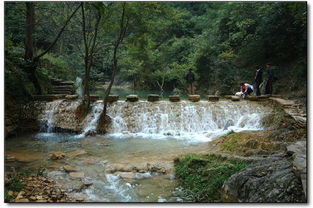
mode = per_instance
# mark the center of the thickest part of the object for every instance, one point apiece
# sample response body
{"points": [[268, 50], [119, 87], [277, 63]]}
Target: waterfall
{"points": [[47, 122], [92, 119], [195, 122], [78, 86]]}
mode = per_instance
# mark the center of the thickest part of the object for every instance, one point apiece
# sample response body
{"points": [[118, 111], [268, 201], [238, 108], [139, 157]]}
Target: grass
{"points": [[203, 176]]}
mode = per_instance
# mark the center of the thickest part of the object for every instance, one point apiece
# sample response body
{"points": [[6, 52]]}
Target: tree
{"points": [[31, 60]]}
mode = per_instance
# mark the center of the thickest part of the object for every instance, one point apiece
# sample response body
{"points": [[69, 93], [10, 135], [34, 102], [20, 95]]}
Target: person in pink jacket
{"points": [[246, 89]]}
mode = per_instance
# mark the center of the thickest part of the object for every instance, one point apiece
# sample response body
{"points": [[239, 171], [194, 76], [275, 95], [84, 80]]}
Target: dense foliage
{"points": [[221, 41]]}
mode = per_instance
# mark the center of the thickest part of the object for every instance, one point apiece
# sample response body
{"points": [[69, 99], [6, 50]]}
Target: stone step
{"points": [[49, 97], [112, 98], [93, 97], [235, 98], [62, 87], [194, 98], [62, 92], [213, 98], [132, 98], [174, 98], [153, 97]]}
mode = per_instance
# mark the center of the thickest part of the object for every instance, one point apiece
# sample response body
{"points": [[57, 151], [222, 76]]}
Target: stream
{"points": [[145, 137]]}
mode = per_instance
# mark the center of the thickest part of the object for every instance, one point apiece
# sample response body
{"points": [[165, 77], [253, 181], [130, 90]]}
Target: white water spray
{"points": [[193, 122]]}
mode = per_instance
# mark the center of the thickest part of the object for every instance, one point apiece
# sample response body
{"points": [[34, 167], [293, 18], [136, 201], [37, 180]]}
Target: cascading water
{"points": [[47, 122], [194, 122], [92, 119], [78, 86]]}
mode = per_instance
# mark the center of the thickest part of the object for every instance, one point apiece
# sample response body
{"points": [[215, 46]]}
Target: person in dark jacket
{"points": [[258, 80], [190, 78], [270, 79]]}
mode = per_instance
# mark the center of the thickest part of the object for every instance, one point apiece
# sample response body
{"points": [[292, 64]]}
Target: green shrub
{"points": [[203, 176]]}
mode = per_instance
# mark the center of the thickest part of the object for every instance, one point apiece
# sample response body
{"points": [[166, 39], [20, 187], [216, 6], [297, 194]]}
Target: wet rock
{"points": [[77, 175], [213, 98], [68, 168], [112, 98], [153, 97], [228, 96], [93, 97], [57, 155], [24, 156], [174, 98], [126, 175], [132, 98], [194, 98], [10, 158], [268, 180]]}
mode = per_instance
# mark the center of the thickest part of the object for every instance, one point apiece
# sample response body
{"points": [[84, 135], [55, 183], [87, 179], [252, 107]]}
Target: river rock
{"points": [[174, 98], [68, 168], [76, 153], [57, 155], [112, 98], [213, 98], [194, 98], [132, 98], [268, 180], [77, 174], [228, 96], [24, 156], [93, 97], [153, 97], [126, 175]]}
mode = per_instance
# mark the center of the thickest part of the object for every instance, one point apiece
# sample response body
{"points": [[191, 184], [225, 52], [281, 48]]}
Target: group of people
{"points": [[245, 88]]}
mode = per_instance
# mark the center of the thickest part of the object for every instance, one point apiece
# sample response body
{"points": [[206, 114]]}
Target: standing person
{"points": [[258, 80], [246, 89], [190, 77], [270, 79]]}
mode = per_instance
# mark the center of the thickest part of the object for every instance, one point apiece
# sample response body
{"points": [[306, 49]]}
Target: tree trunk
{"points": [[30, 24], [103, 117]]}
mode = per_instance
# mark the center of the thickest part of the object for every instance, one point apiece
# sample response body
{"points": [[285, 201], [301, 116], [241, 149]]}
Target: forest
{"points": [[119, 101], [151, 45]]}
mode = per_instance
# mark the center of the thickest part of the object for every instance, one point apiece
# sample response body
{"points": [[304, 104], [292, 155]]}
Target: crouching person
{"points": [[246, 89]]}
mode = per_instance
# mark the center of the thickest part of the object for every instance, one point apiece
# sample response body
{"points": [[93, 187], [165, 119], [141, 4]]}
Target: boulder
{"points": [[228, 96], [269, 180], [174, 98], [235, 98], [194, 98], [132, 98], [78, 175], [57, 155], [213, 98], [112, 98], [298, 151], [153, 97], [263, 97], [68, 168]]}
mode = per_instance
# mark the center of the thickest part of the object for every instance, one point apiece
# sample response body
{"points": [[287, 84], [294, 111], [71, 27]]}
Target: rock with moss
{"points": [[269, 180]]}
